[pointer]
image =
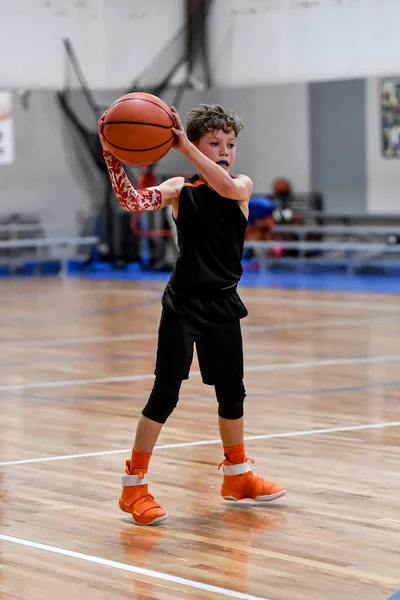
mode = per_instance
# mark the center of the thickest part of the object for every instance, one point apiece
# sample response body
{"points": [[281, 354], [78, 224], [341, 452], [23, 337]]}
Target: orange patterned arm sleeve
{"points": [[129, 198]]}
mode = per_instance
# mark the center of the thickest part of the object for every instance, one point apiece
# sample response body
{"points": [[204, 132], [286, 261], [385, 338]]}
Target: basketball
{"points": [[281, 186], [138, 129]]}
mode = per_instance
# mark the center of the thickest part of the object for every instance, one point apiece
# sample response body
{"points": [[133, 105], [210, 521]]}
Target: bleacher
{"points": [[26, 246], [349, 241], [363, 241]]}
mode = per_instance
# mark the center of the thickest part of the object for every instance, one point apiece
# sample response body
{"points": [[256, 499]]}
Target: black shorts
{"points": [[219, 349]]}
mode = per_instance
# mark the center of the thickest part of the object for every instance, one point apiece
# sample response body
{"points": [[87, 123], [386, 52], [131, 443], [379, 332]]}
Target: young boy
{"points": [[200, 304]]}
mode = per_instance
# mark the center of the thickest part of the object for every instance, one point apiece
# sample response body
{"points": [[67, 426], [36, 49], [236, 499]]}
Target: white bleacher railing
{"points": [[66, 246], [351, 252]]}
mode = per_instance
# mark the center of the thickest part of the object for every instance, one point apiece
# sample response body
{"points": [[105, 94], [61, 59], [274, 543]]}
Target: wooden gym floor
{"points": [[322, 417]]}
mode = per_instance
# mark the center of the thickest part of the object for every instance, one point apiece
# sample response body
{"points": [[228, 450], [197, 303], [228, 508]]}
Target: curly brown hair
{"points": [[208, 117]]}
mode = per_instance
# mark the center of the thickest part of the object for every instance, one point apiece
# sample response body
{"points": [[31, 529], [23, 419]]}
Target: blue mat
{"points": [[285, 279], [316, 278]]}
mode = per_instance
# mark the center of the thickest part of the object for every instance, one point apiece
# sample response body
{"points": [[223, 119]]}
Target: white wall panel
{"points": [[275, 139], [268, 41], [135, 32], [114, 39]]}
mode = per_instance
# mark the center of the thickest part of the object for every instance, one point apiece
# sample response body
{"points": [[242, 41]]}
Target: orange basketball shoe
{"points": [[240, 483], [136, 500]]}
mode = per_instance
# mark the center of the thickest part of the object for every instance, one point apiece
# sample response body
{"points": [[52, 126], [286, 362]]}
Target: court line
{"points": [[71, 382], [204, 396], [125, 292], [244, 291], [313, 302], [362, 360], [73, 341], [130, 292], [131, 569], [317, 324], [245, 294], [267, 436], [150, 336], [141, 293]]}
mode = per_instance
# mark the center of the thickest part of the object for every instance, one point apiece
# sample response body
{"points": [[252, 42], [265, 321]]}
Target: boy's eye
{"points": [[231, 145]]}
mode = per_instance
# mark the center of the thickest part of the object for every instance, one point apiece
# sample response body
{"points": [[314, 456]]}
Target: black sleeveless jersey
{"points": [[211, 232]]}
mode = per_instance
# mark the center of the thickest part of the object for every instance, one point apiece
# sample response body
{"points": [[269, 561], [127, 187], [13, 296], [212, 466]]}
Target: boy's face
{"points": [[220, 147]]}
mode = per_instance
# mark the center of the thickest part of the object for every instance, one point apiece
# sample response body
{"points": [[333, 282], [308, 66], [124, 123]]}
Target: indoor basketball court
{"points": [[322, 418], [305, 219]]}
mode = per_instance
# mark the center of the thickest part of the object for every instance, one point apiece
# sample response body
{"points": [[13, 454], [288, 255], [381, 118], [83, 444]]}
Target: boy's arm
{"points": [[152, 198], [236, 188]]}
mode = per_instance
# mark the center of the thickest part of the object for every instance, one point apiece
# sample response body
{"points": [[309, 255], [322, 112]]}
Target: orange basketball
{"points": [[138, 129]]}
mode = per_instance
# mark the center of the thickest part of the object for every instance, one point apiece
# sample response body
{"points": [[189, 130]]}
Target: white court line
{"points": [[244, 291], [363, 306], [150, 336], [131, 569], [123, 292], [325, 363], [253, 368], [52, 384], [73, 341], [80, 292], [267, 436], [317, 324], [245, 294]]}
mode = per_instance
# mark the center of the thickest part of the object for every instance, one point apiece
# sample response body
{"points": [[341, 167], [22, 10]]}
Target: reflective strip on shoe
{"points": [[236, 469], [270, 497], [132, 480]]}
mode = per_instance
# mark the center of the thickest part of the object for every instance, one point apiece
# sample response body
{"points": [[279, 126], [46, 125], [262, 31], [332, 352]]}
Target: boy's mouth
{"points": [[223, 163]]}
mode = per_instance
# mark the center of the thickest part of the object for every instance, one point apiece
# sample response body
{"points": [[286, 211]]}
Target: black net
{"points": [[80, 106], [170, 73], [168, 65], [183, 61]]}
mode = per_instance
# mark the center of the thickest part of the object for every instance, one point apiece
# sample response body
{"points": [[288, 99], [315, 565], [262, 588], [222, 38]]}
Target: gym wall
{"points": [[307, 88]]}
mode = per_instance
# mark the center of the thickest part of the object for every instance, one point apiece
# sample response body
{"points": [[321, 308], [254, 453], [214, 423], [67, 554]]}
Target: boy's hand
{"points": [[181, 141], [100, 126]]}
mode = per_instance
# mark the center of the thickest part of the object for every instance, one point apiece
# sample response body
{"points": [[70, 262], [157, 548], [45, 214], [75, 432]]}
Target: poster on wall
{"points": [[6, 129], [390, 117]]}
